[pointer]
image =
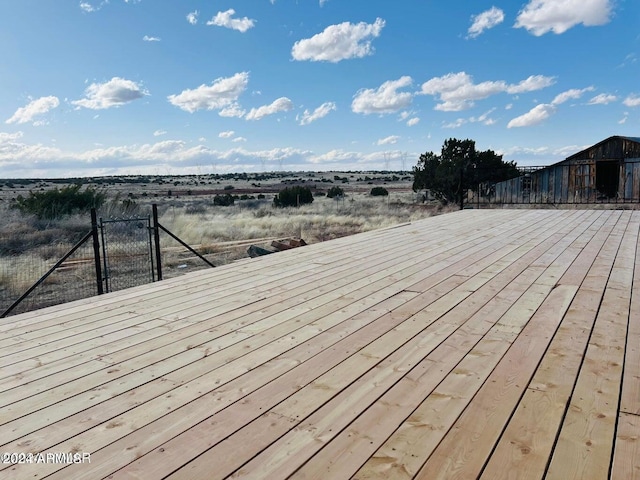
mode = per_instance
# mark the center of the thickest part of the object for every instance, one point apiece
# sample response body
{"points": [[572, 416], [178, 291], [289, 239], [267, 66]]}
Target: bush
{"points": [[225, 200], [335, 192], [60, 202], [379, 192], [293, 197]]}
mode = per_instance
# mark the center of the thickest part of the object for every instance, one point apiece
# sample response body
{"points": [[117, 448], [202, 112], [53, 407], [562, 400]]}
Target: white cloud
{"points": [[603, 99], [159, 133], [386, 99], [390, 140], [227, 134], [147, 38], [339, 42], [222, 93], [322, 111], [630, 59], [87, 7], [537, 151], [33, 109], [541, 112], [536, 115], [92, 7], [17, 158], [352, 160], [484, 119], [282, 104], [232, 111], [485, 20], [632, 101], [192, 17], [10, 137], [571, 94], [623, 120], [455, 124], [117, 91], [239, 139], [15, 153], [543, 16], [413, 121], [224, 19], [531, 84], [456, 91]]}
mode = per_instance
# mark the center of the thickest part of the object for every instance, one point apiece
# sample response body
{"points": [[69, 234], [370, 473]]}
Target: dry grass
{"points": [[29, 247], [322, 220]]}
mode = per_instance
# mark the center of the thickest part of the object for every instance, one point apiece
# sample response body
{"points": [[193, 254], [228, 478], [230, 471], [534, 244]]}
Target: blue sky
{"points": [[97, 87]]}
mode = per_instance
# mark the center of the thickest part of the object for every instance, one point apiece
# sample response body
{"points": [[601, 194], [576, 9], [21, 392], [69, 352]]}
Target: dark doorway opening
{"points": [[607, 178]]}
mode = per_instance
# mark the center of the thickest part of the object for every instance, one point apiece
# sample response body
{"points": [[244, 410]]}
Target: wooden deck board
{"points": [[484, 343]]}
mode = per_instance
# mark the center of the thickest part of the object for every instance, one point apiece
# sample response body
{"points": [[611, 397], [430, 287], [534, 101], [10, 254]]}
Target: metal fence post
{"points": [[96, 251], [461, 188], [156, 240]]}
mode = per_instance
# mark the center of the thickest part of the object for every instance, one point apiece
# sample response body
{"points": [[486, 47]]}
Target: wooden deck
{"points": [[500, 344]]}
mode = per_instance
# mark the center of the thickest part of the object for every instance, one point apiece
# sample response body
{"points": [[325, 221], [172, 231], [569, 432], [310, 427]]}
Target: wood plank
{"points": [[467, 446], [115, 392], [529, 439], [173, 335], [403, 454], [626, 459], [289, 451], [630, 398], [478, 343], [585, 441], [149, 434]]}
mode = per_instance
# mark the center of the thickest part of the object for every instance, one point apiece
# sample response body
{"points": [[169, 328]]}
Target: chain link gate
{"points": [[127, 252]]}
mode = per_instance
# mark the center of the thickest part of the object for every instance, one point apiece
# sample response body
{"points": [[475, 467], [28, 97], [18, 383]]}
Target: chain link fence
{"points": [[127, 252], [74, 279], [112, 254]]}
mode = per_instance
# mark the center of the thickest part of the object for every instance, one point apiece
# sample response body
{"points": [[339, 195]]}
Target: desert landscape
{"points": [[189, 207]]}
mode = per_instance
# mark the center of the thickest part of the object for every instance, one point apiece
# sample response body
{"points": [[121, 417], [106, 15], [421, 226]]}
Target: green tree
{"points": [[458, 168], [60, 202], [293, 197], [379, 192], [225, 200], [335, 192]]}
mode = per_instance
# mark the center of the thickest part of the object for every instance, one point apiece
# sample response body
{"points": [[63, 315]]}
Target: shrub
{"points": [[225, 200], [60, 202], [293, 197], [379, 192], [335, 192], [195, 209]]}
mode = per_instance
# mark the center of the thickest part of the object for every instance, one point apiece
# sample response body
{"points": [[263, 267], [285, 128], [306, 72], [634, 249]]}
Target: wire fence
{"points": [[127, 252], [72, 280], [112, 254]]}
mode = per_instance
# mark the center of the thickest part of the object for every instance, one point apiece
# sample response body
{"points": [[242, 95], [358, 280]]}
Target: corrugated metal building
{"points": [[608, 172]]}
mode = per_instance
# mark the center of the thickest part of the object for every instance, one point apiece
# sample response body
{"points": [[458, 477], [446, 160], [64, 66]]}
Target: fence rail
{"points": [[112, 255], [608, 182]]}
